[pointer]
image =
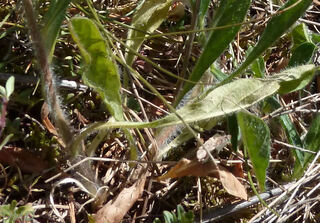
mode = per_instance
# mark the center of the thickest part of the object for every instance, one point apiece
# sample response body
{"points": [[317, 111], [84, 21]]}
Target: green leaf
{"points": [[315, 38], [169, 218], [101, 73], [217, 73], [157, 220], [289, 14], [233, 129], [300, 35], [9, 86], [5, 141], [229, 13], [4, 20], [302, 54], [222, 101], [258, 65], [256, 140], [312, 141], [146, 20], [204, 6], [294, 79], [2, 91], [180, 212], [52, 23], [24, 210]]}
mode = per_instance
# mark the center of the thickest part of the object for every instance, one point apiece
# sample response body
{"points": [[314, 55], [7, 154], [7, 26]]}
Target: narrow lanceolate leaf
{"points": [[204, 6], [223, 100], [146, 20], [52, 23], [288, 15], [256, 140], [230, 12], [294, 79], [101, 72]]}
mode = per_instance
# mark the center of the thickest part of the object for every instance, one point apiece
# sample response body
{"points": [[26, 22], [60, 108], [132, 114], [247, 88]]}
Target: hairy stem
{"points": [[49, 85]]}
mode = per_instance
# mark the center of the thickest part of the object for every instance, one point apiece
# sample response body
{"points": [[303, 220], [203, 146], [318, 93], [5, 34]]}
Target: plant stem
{"points": [[49, 84]]}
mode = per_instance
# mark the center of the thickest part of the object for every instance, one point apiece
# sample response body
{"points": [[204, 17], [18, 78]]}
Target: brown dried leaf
{"points": [[187, 167], [115, 210], [47, 123], [231, 184], [23, 159]]}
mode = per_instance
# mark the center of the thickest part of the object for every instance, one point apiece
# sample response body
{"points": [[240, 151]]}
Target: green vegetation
{"points": [[153, 83]]}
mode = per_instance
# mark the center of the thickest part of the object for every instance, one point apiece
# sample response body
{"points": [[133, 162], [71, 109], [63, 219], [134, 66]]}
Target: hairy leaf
{"points": [[294, 79], [223, 100], [101, 72], [146, 20], [256, 140]]}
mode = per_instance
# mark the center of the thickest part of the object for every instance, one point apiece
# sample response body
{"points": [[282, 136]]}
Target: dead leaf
{"points": [[231, 184], [115, 209], [81, 118], [193, 167], [25, 160], [237, 170], [47, 123], [187, 167], [45, 119]]}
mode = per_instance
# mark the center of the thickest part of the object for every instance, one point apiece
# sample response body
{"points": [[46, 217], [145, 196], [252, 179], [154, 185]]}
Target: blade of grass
{"points": [[52, 23]]}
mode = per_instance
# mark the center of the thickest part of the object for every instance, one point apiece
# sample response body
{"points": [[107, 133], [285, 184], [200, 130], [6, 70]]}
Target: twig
{"points": [[212, 215], [293, 147]]}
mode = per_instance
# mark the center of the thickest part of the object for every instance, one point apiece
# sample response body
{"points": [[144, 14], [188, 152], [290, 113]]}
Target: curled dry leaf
{"points": [[115, 210], [193, 167], [47, 123]]}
